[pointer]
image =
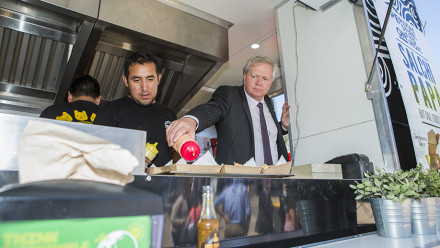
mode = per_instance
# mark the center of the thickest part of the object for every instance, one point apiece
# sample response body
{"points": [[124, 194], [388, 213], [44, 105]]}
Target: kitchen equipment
{"points": [[353, 165]]}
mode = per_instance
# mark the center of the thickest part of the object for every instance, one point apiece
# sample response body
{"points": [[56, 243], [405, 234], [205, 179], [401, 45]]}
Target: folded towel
{"points": [[49, 151]]}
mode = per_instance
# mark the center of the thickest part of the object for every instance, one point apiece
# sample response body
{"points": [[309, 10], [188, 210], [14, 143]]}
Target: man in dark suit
{"points": [[236, 112]]}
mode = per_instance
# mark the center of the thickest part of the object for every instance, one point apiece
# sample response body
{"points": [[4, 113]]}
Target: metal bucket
{"points": [[423, 216], [437, 214], [393, 219], [311, 215]]}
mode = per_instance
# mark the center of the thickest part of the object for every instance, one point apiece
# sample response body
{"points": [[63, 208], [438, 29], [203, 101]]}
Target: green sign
{"points": [[122, 232]]}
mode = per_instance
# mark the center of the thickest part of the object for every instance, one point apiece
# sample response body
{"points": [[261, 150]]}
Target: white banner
{"points": [[419, 81]]}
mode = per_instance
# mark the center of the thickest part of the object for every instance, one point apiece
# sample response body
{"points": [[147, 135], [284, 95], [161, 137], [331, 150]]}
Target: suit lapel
{"points": [[245, 106]]}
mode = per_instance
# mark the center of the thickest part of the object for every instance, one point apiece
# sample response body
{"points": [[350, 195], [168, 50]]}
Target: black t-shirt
{"points": [[126, 113], [77, 111]]}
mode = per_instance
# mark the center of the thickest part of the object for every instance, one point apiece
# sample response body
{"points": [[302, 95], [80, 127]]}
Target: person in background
{"points": [[139, 110], [235, 111], [264, 222], [288, 211], [233, 205], [283, 204], [83, 96]]}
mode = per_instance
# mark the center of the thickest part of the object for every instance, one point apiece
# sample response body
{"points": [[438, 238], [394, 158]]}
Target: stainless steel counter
{"points": [[267, 211]]}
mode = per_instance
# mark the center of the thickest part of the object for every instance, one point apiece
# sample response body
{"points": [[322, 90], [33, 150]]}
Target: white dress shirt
{"points": [[271, 130]]}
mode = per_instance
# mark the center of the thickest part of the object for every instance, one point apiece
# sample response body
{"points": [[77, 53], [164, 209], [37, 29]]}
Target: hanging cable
{"points": [[293, 154]]}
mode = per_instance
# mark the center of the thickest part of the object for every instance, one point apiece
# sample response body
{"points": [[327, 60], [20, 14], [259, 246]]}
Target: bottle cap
{"points": [[207, 188], [190, 150], [151, 151]]}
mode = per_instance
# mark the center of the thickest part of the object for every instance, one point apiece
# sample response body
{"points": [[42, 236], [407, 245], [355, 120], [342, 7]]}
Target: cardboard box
{"points": [[190, 168], [186, 168], [318, 171], [282, 169], [158, 170], [232, 169]]}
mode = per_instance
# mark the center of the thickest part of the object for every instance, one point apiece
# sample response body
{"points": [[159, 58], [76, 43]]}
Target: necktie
{"points": [[265, 136]]}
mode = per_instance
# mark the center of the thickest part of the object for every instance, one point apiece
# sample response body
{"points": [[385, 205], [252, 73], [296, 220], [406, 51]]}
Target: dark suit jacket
{"points": [[228, 109]]}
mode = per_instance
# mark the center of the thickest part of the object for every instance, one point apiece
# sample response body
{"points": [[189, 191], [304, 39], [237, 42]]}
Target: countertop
{"points": [[371, 239]]}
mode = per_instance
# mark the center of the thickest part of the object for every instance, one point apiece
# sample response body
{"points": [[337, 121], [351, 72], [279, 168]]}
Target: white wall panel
{"points": [[357, 138], [335, 117]]}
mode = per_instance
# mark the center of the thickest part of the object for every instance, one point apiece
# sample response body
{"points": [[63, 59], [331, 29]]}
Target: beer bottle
{"points": [[208, 226]]}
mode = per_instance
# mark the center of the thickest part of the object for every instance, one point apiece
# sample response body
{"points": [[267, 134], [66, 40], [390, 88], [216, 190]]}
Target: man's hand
{"points": [[285, 116], [180, 127], [147, 161]]}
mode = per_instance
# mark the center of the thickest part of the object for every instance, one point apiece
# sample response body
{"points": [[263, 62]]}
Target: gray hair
{"points": [[258, 60]]}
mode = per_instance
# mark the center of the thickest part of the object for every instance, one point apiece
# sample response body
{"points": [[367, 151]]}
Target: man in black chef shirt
{"points": [[83, 99], [139, 110]]}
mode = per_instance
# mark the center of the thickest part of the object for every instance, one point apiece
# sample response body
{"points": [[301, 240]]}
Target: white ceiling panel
{"points": [[253, 22]]}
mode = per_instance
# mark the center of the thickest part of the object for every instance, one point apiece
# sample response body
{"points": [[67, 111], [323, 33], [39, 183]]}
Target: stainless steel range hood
{"points": [[45, 44]]}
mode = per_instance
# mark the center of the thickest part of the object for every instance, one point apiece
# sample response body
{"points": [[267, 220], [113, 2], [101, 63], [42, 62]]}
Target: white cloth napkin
{"points": [[206, 159], [181, 161], [282, 160], [250, 162], [49, 151]]}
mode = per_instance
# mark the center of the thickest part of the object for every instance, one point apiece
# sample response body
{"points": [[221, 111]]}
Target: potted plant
{"points": [[435, 192], [423, 212], [433, 186], [390, 195]]}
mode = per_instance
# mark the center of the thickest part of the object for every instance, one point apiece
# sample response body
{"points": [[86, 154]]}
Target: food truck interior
{"points": [[44, 44]]}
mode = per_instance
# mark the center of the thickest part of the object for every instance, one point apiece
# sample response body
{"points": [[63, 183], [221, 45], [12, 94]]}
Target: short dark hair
{"points": [[140, 57], [85, 85]]}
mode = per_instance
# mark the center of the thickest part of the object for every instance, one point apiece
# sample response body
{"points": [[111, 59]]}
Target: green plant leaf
{"points": [[404, 175], [359, 197], [377, 182], [403, 188]]}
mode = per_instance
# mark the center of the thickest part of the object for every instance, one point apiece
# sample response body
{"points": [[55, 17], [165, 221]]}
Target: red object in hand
{"points": [[187, 148], [190, 150]]}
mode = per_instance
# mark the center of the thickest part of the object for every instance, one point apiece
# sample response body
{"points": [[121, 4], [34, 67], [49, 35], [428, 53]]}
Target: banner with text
{"points": [[418, 78], [125, 231]]}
